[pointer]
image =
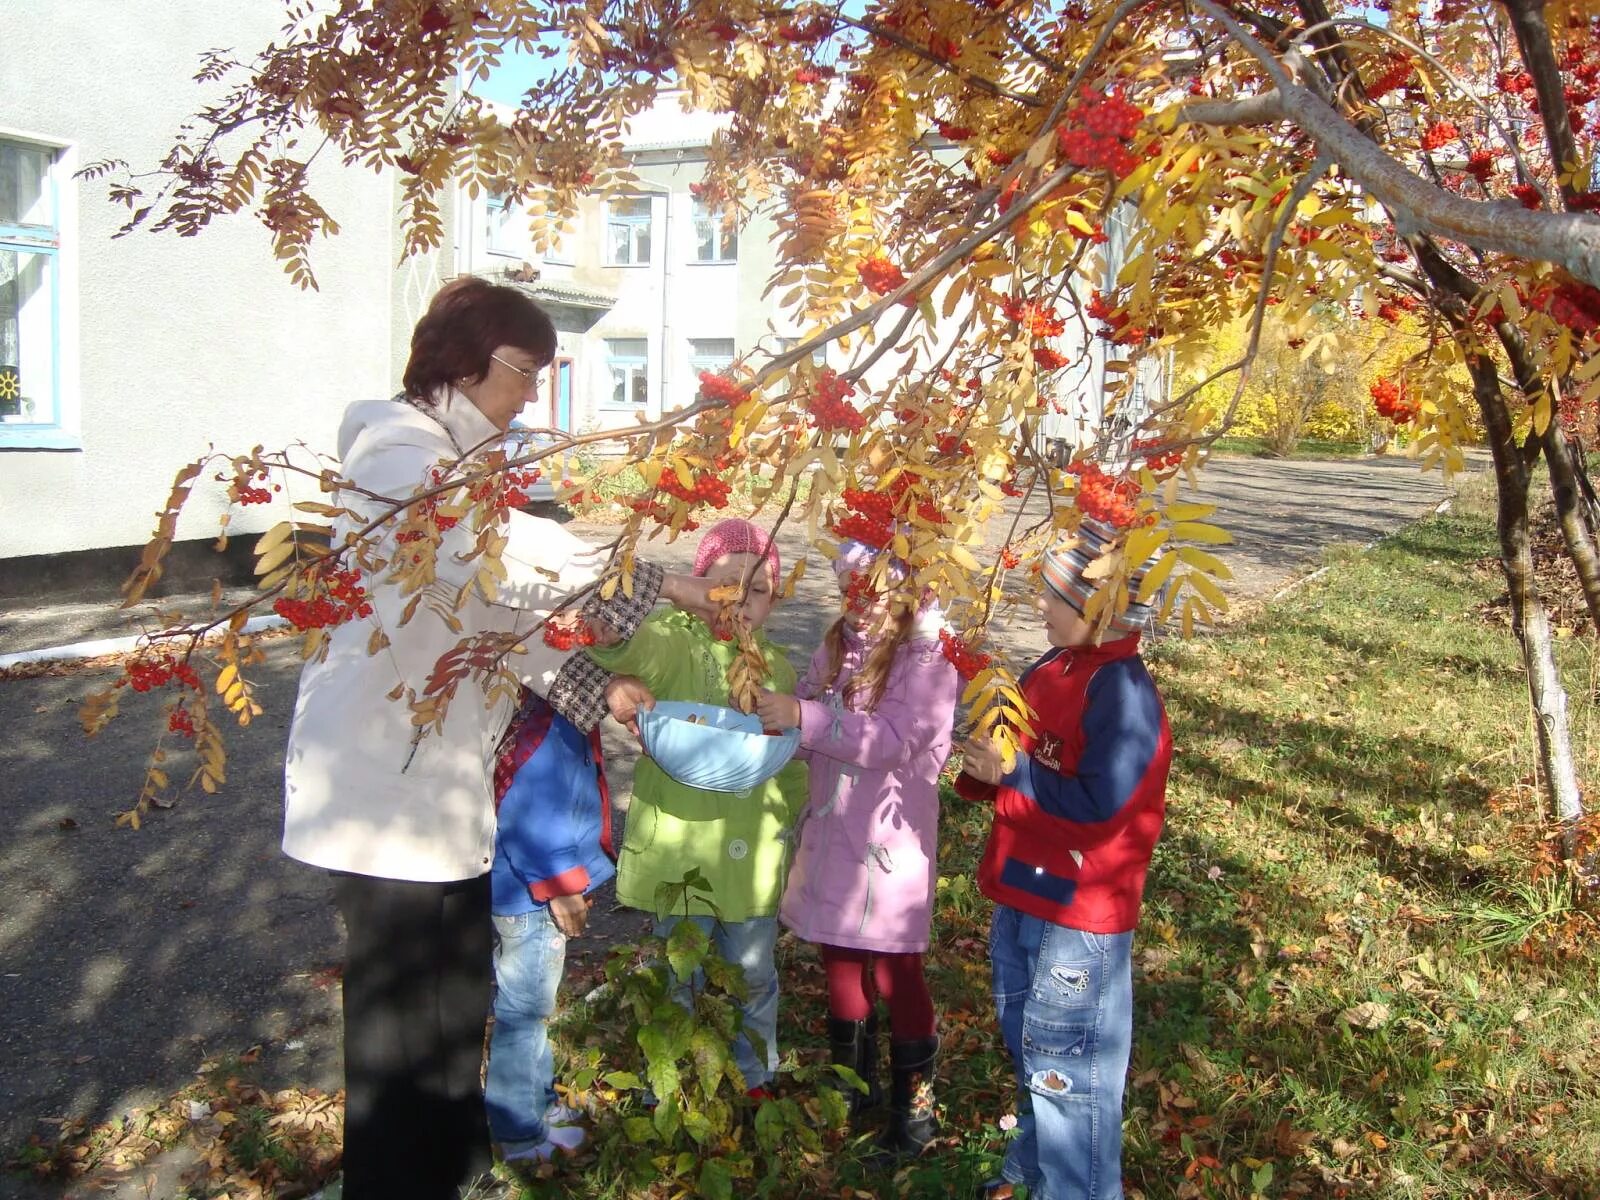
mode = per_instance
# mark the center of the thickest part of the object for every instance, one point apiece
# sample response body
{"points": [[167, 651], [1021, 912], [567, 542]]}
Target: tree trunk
{"points": [[1572, 510], [1529, 619]]}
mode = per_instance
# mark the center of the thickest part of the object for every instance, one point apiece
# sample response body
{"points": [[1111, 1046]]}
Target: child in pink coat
{"points": [[875, 712]]}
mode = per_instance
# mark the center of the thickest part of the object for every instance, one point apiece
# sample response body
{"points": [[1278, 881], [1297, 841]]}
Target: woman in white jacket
{"points": [[406, 823]]}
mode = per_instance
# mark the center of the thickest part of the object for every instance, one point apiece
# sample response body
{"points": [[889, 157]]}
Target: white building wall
{"points": [[181, 343]]}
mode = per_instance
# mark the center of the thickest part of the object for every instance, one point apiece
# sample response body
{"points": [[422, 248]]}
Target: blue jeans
{"points": [[747, 945], [1064, 999], [528, 962]]}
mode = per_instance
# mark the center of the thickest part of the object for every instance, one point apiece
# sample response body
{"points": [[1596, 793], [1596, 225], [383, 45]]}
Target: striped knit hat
{"points": [[1063, 573]]}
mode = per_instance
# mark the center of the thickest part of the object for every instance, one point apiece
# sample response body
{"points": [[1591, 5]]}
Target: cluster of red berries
{"points": [[1106, 498], [967, 661], [828, 408], [1440, 133], [339, 597], [1480, 165], [1529, 196], [1117, 327], [514, 485], [255, 495], [565, 634], [707, 489], [867, 530], [1575, 305], [1398, 71], [879, 506], [181, 722], [1157, 462], [147, 673], [720, 387], [660, 513], [1010, 559], [1040, 320], [954, 133], [806, 32], [1047, 359], [941, 46], [1392, 309], [931, 513], [999, 157], [1096, 131], [807, 76], [859, 593], [1389, 398], [880, 275]]}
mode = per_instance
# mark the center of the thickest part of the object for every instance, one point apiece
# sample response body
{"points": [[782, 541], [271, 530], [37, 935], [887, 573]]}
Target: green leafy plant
{"points": [[681, 1110]]}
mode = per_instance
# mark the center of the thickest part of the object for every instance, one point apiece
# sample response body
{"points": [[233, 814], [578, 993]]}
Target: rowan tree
{"points": [[944, 173]]}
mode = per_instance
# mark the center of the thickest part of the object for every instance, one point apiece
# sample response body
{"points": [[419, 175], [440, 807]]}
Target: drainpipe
{"points": [[667, 247]]}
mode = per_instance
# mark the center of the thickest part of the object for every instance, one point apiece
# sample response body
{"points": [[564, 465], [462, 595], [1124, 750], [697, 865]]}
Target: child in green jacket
{"points": [[739, 841]]}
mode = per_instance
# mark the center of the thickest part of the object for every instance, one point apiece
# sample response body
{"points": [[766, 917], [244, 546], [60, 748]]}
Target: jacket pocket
{"points": [[639, 834], [1038, 881]]}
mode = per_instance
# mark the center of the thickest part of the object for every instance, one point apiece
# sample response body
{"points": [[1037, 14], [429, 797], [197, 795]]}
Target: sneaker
{"points": [[563, 1114], [565, 1139]]}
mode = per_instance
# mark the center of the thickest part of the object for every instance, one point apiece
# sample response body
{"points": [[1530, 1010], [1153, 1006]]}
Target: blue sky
{"points": [[517, 72]]}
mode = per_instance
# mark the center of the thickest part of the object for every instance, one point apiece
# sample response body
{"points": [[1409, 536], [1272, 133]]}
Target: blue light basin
{"points": [[723, 751]]}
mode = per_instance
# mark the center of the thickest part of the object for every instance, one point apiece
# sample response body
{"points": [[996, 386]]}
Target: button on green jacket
{"points": [[740, 842]]}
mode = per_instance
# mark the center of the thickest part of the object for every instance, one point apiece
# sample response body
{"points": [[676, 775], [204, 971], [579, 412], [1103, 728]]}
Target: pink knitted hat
{"points": [[737, 536]]}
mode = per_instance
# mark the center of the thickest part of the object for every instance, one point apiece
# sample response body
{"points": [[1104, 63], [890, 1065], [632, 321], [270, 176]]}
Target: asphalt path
{"points": [[129, 958]]}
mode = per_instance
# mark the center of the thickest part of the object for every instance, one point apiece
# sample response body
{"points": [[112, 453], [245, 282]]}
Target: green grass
{"points": [[1355, 975], [1307, 448]]}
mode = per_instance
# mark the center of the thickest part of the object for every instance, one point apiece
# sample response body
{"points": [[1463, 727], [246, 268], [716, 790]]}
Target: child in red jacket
{"points": [[1075, 822]]}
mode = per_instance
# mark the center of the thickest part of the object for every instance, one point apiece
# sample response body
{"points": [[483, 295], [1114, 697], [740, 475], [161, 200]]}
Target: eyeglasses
{"points": [[530, 374]]}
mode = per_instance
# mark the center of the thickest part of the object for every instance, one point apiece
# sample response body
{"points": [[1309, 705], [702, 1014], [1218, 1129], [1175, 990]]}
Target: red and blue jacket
{"points": [[1077, 818], [553, 810]]}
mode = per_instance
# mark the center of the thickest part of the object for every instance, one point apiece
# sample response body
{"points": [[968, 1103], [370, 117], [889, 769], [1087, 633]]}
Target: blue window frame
{"points": [[628, 360], [628, 232], [501, 228], [707, 354], [30, 296], [716, 234]]}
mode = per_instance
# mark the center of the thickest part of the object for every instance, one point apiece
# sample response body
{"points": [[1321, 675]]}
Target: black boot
{"points": [[912, 1124], [854, 1044]]}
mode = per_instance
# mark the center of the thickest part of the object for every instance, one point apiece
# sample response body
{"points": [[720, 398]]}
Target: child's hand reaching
{"points": [[980, 758], [625, 696], [777, 711]]}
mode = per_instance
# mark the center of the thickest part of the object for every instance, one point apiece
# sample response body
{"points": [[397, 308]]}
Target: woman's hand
{"points": [[625, 696], [692, 593], [570, 913], [777, 711], [980, 758]]}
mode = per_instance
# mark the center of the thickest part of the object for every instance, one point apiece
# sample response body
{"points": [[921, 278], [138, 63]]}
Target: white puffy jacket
{"points": [[360, 794]]}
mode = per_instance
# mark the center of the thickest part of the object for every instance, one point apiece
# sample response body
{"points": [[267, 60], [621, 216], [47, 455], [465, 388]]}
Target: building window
{"points": [[628, 232], [710, 354], [502, 229], [560, 250], [629, 362], [30, 290], [716, 235]]}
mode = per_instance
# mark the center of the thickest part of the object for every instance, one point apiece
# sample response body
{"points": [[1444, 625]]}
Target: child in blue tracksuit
{"points": [[553, 845]]}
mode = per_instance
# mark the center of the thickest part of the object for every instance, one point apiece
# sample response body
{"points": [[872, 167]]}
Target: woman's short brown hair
{"points": [[468, 320]]}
